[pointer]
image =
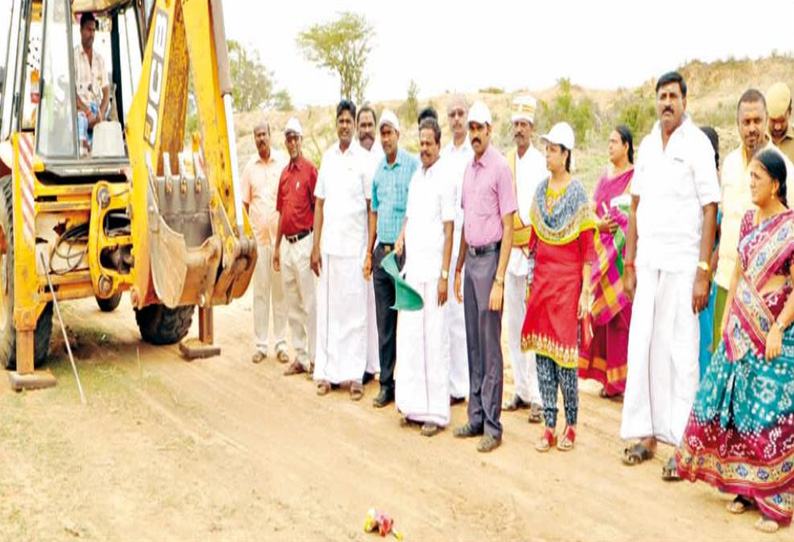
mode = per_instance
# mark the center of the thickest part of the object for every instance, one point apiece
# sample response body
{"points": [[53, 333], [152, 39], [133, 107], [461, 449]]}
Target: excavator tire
{"points": [[160, 325], [109, 304], [8, 333]]}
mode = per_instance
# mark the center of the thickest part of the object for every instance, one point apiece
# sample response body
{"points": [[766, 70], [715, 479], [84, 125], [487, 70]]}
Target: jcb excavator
{"points": [[132, 213]]}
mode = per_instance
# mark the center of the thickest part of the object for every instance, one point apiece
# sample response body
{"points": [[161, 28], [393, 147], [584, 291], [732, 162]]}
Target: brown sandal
{"points": [[356, 391], [323, 387], [295, 368], [636, 454], [740, 505]]}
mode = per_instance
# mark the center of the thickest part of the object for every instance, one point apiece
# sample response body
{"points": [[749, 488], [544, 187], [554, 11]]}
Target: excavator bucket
{"points": [[169, 260], [185, 250], [192, 242]]}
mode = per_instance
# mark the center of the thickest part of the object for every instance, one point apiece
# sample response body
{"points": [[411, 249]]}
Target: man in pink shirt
{"points": [[488, 201]]}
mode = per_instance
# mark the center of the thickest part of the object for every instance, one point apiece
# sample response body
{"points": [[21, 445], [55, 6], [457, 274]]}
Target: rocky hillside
{"points": [[714, 89]]}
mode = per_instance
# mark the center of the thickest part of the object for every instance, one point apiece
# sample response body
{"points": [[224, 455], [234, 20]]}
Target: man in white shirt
{"points": [[422, 382], [343, 195], [671, 233], [455, 155], [752, 120], [366, 120], [91, 79], [259, 190], [529, 169]]}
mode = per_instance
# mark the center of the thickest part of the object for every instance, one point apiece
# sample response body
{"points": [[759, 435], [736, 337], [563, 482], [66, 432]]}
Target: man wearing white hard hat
{"points": [[456, 156], [529, 168], [488, 202], [389, 196], [259, 187], [670, 239], [778, 101], [295, 204]]}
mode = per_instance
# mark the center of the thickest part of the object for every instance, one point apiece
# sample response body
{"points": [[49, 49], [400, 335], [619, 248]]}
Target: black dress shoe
{"points": [[368, 377], [455, 400], [383, 399]]}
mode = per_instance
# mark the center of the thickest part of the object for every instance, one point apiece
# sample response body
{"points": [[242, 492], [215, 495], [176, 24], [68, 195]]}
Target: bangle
{"points": [[780, 326]]}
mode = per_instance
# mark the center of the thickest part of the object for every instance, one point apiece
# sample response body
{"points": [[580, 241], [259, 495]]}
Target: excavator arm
{"points": [[192, 243]]}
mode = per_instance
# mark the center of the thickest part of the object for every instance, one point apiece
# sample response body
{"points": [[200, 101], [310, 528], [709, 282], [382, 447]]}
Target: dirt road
{"points": [[222, 449]]}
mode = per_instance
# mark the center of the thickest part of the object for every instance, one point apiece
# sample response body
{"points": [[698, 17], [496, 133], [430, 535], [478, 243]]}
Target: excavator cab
{"points": [[101, 192]]}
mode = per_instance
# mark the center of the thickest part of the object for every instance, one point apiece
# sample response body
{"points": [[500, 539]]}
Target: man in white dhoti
{"points": [[422, 380], [340, 236], [529, 169], [671, 231], [456, 155], [366, 120]]}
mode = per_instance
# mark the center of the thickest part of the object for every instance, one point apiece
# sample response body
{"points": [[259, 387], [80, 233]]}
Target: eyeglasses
{"points": [[292, 138], [457, 113]]}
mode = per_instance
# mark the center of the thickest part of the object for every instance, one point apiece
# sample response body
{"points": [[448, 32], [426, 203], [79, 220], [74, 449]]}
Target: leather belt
{"points": [[298, 236], [485, 249]]}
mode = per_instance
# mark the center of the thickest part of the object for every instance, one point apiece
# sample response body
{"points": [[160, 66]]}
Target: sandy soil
{"points": [[222, 449]]}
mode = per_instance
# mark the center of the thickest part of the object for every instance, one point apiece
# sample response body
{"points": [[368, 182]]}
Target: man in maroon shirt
{"points": [[295, 205]]}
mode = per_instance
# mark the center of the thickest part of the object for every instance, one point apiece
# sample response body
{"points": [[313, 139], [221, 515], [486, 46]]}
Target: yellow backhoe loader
{"points": [[125, 209]]}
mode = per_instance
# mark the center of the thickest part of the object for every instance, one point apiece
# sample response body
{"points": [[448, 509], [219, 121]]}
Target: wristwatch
{"points": [[704, 266], [444, 274], [780, 326]]}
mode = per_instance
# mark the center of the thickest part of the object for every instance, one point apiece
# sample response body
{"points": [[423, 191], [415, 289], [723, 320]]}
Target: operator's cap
{"points": [[388, 117], [560, 134], [480, 114], [293, 127], [523, 108], [778, 99]]}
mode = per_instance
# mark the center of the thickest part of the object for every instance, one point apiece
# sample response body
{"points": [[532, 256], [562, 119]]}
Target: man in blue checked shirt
{"points": [[389, 198]]}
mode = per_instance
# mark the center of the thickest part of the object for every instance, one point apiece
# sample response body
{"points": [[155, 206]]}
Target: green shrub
{"points": [[580, 114]]}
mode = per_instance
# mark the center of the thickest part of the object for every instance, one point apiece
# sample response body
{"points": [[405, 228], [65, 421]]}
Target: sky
{"points": [[464, 45]]}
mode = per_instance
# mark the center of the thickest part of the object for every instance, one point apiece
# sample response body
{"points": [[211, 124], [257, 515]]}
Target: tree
{"points": [[638, 113], [254, 85], [342, 46], [409, 110]]}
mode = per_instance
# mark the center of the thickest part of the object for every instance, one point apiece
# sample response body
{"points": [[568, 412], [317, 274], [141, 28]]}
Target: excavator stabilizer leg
{"points": [[202, 347], [25, 377]]}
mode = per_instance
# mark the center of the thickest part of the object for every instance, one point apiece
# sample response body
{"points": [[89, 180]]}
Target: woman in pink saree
{"points": [[605, 359], [740, 434]]}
